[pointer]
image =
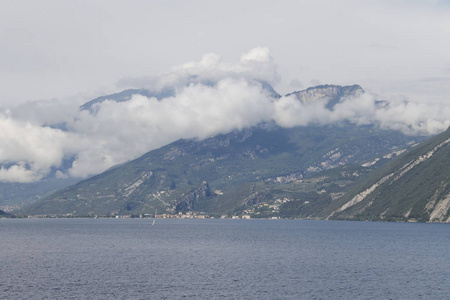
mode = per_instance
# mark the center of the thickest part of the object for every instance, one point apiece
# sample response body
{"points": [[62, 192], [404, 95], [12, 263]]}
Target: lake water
{"points": [[222, 259]]}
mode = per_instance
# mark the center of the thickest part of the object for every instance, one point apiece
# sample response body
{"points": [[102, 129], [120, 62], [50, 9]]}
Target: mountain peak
{"points": [[328, 92], [127, 95]]}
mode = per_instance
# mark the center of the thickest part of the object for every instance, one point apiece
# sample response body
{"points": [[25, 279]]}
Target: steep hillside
{"points": [[415, 186], [3, 214], [229, 173]]}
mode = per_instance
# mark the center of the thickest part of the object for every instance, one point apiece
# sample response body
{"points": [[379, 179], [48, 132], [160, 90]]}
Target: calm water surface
{"points": [[222, 259]]}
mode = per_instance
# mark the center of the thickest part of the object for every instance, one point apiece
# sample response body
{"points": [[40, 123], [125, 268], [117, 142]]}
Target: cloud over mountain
{"points": [[396, 114], [209, 97], [28, 151]]}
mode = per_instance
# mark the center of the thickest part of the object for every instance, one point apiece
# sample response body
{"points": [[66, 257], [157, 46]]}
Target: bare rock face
{"points": [[188, 201], [254, 199], [328, 93]]}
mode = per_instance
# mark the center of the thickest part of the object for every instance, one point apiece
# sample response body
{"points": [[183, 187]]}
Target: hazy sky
{"points": [[56, 55], [78, 50]]}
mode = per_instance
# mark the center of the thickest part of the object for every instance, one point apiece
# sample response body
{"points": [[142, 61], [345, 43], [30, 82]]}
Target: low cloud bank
{"points": [[411, 118], [211, 98]]}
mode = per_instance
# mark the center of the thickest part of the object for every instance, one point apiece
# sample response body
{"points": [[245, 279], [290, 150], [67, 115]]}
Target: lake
{"points": [[222, 259]]}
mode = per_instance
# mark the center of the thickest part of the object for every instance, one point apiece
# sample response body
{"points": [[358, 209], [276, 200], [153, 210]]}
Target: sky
{"points": [[78, 50], [57, 55]]}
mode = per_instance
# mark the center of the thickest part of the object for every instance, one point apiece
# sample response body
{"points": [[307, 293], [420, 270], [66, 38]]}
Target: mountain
{"points": [[264, 171], [414, 187], [231, 173]]}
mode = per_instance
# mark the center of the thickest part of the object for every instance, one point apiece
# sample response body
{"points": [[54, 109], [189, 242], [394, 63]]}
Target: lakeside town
{"points": [[160, 216], [261, 211]]}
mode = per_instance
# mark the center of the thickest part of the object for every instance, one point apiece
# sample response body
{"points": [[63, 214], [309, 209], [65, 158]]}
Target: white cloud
{"points": [[29, 151], [18, 173], [259, 54], [43, 112], [120, 131], [211, 97], [405, 116], [257, 64]]}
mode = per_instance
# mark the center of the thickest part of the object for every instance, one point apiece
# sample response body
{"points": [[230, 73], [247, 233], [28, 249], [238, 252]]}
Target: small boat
{"points": [[154, 219]]}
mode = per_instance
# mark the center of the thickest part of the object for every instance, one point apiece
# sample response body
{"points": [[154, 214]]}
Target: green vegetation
{"points": [[251, 171], [416, 182]]}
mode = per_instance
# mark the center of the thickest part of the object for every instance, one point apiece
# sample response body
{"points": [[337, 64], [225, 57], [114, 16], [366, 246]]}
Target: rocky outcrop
{"points": [[440, 210], [332, 94], [131, 187], [359, 197], [406, 168], [254, 198], [189, 199]]}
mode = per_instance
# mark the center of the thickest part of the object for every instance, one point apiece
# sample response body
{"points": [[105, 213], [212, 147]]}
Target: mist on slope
{"points": [[210, 98]]}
